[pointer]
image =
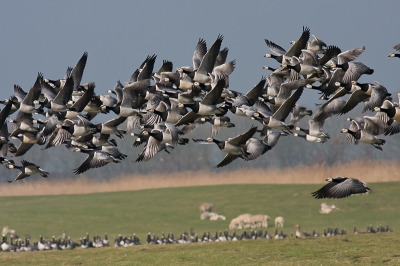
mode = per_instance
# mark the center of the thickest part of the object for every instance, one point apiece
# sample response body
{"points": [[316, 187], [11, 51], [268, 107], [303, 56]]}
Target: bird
{"points": [[340, 187], [27, 169]]}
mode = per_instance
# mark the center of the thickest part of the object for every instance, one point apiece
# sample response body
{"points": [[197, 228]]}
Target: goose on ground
{"points": [[340, 187]]}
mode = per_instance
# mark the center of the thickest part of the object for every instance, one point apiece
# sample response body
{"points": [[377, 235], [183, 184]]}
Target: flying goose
{"points": [[310, 138], [76, 73], [208, 61], [207, 106], [95, 159], [27, 105], [340, 187], [232, 146], [372, 126], [277, 120], [27, 169], [397, 48], [314, 129]]}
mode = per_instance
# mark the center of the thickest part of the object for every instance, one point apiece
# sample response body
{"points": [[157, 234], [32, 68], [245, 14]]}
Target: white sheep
{"points": [[217, 217], [258, 220], [237, 223], [206, 207], [279, 221], [325, 208]]}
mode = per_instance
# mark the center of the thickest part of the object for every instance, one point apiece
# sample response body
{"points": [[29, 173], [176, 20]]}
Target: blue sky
{"points": [[49, 36]]}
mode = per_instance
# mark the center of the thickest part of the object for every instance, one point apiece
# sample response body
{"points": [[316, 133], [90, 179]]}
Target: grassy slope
{"points": [[377, 249], [176, 209]]}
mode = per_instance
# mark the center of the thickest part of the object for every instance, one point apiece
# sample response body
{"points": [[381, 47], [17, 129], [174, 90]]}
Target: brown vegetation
{"points": [[367, 171]]}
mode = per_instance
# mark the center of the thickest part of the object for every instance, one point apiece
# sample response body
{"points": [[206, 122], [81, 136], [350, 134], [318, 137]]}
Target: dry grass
{"points": [[371, 171]]}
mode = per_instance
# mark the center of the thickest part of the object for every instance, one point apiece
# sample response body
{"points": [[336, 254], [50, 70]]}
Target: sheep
{"points": [[279, 221], [217, 217], [237, 223], [258, 220], [206, 207], [211, 216], [205, 216], [325, 208]]}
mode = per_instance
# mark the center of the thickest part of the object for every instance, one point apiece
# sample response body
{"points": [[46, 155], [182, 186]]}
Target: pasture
{"points": [[176, 210]]}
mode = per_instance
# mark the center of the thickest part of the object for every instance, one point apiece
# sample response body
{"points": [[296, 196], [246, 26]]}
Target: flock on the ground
{"points": [[64, 242], [161, 105]]}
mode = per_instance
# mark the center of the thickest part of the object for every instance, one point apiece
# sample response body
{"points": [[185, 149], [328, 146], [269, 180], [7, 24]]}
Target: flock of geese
{"points": [[64, 242], [160, 106]]}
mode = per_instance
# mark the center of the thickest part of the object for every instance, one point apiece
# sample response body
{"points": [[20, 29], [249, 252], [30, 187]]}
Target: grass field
{"points": [[176, 209], [367, 249]]}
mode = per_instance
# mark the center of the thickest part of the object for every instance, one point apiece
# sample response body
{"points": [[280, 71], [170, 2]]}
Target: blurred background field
{"points": [[175, 210]]}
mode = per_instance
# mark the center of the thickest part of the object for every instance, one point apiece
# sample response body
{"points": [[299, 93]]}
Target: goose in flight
{"points": [[340, 187]]}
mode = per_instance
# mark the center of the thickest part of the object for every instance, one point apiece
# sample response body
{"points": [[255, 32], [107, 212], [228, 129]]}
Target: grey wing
{"points": [[61, 136], [227, 160], [174, 132], [23, 148], [199, 52], [355, 98], [147, 69], [377, 98], [214, 94], [287, 106], [263, 109], [226, 68], [346, 188], [77, 72], [132, 122], [188, 118], [374, 125], [323, 192], [350, 55], [326, 111], [81, 103], [19, 93], [354, 72], [255, 148], [394, 128], [272, 137], [150, 150], [276, 49], [48, 91], [242, 138], [257, 90], [300, 44], [115, 122], [208, 60], [221, 58]]}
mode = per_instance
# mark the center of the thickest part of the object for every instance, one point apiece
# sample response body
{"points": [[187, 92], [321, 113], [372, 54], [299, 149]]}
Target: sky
{"points": [[49, 36]]}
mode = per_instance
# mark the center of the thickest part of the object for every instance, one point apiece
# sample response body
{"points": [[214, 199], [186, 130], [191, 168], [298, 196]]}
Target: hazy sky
{"points": [[49, 36]]}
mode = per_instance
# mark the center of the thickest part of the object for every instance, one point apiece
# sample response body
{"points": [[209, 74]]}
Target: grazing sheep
{"points": [[237, 223], [258, 220], [279, 221], [206, 207]]}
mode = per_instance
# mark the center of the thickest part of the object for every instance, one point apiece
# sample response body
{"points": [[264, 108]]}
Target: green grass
{"points": [[367, 249], [176, 209]]}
